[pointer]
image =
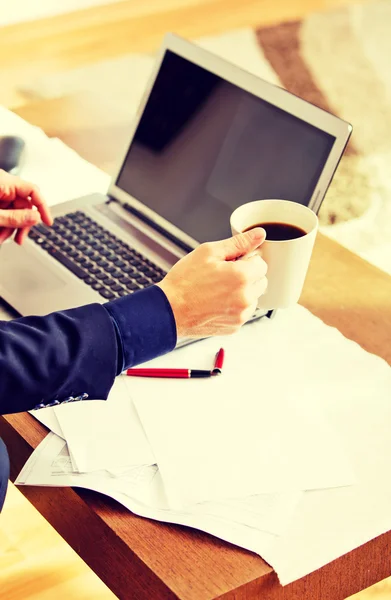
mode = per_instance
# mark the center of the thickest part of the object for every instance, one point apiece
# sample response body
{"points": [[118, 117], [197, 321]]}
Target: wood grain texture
{"points": [[36, 563]]}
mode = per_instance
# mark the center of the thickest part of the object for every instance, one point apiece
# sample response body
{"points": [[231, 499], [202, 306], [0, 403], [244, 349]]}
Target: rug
{"points": [[339, 61]]}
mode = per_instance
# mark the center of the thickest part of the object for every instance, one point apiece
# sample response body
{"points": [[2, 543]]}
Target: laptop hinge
{"points": [[137, 213]]}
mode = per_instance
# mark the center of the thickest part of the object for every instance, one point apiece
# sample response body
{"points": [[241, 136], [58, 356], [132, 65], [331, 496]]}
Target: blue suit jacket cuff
{"points": [[145, 326]]}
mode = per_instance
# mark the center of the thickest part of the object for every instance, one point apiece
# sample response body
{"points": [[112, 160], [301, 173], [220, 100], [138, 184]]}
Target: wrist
{"points": [[177, 306]]}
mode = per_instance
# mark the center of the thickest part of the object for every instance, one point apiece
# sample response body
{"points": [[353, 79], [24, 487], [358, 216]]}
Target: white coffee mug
{"points": [[287, 260]]}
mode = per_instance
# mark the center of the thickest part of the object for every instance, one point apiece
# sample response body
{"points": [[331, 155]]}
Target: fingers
{"points": [[21, 235], [13, 188], [5, 233], [17, 218], [238, 245], [37, 200], [253, 268], [260, 287]]}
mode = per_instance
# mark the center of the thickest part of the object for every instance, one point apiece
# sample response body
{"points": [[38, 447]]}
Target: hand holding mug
{"points": [[291, 230]]}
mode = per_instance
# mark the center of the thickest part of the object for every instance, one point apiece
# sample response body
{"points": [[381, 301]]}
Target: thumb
{"points": [[16, 218], [241, 244]]}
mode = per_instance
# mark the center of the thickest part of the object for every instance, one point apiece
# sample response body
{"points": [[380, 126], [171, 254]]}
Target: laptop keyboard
{"points": [[93, 254]]}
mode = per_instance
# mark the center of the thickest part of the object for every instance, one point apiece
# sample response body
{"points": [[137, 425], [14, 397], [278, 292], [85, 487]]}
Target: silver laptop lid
{"points": [[209, 136]]}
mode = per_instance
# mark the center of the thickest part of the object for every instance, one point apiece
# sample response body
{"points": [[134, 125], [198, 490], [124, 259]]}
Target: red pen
{"points": [[219, 362], [172, 373]]}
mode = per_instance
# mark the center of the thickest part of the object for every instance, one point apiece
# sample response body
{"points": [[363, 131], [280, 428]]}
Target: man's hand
{"points": [[21, 207], [212, 293]]}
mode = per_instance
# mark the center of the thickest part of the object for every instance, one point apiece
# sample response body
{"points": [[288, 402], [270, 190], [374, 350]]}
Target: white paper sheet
{"points": [[249, 431], [104, 435], [357, 401], [47, 417], [143, 490]]}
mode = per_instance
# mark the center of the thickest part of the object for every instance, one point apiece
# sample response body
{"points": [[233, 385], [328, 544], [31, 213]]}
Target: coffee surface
{"points": [[279, 232]]}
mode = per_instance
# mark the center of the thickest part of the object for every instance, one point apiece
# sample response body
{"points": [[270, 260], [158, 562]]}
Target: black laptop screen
{"points": [[204, 146]]}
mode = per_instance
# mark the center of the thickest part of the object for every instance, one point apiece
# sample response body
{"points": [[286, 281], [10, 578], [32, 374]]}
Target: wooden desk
{"points": [[139, 558]]}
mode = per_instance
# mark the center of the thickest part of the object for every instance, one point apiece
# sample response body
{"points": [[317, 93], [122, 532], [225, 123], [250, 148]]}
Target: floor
{"points": [[36, 563], [100, 29]]}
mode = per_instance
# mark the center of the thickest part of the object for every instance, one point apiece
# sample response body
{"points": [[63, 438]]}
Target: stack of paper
{"points": [[283, 454]]}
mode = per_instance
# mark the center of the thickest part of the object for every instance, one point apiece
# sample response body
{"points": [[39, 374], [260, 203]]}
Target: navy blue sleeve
{"points": [[45, 360], [145, 326]]}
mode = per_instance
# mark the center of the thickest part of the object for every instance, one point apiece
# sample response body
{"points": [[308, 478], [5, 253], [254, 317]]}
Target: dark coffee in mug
{"points": [[279, 232]]}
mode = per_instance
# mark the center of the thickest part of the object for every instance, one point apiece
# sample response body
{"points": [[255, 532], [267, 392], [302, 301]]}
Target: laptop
{"points": [[208, 136]]}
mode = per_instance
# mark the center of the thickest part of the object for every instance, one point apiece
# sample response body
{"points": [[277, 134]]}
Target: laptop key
{"points": [[72, 253], [116, 287], [123, 293], [90, 280], [42, 229], [120, 263], [128, 269], [109, 282], [94, 270], [125, 280], [133, 286], [64, 260], [134, 261], [124, 252], [97, 286], [106, 253], [107, 294], [144, 268], [143, 281], [156, 278], [150, 273], [102, 263]]}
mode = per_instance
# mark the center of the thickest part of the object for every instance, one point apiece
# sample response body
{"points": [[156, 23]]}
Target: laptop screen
{"points": [[204, 146]]}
